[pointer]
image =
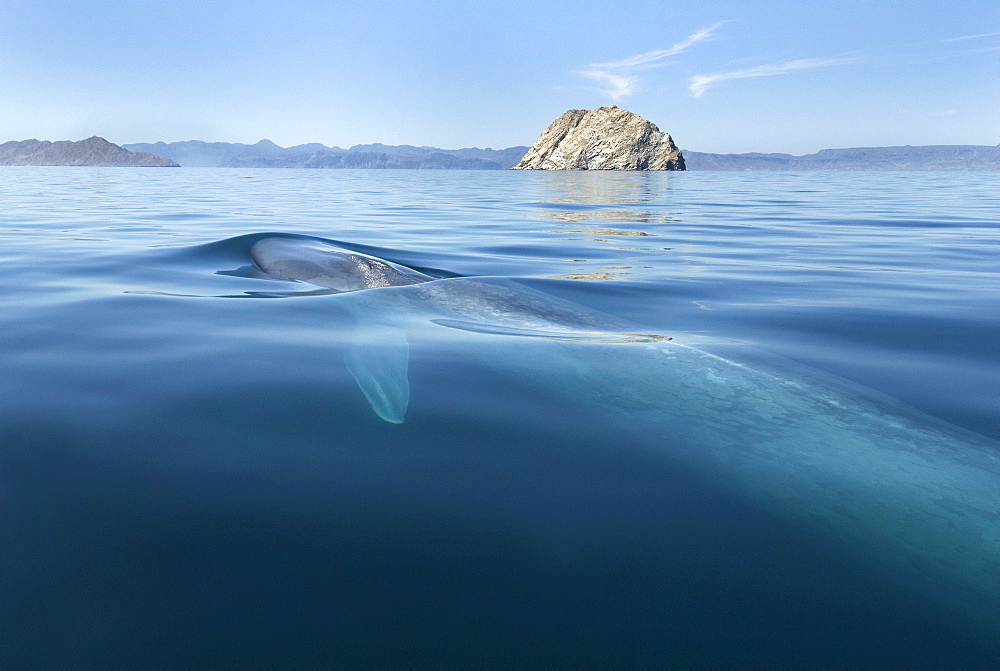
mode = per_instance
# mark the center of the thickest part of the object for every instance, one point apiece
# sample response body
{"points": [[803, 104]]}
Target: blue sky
{"points": [[723, 76]]}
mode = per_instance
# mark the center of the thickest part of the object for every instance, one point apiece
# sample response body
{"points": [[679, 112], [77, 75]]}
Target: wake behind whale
{"points": [[899, 487]]}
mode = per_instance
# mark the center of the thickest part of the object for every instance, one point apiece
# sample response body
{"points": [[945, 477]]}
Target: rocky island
{"points": [[606, 138], [94, 151]]}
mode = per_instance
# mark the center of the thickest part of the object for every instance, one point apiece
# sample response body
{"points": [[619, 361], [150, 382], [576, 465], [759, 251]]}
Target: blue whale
{"points": [[379, 358], [900, 488]]}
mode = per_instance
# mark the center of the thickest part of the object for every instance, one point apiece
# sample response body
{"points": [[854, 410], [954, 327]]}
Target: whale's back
{"points": [[325, 265]]}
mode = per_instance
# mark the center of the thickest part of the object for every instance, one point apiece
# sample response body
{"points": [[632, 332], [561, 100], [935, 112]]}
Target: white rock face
{"points": [[606, 138]]}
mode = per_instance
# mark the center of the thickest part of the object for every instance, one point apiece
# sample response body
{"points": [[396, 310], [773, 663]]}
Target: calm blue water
{"points": [[189, 480]]}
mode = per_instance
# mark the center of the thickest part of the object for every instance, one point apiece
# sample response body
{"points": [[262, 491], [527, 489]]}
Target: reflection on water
{"points": [[604, 207], [603, 231], [573, 197], [612, 231], [604, 188], [602, 274], [586, 276]]}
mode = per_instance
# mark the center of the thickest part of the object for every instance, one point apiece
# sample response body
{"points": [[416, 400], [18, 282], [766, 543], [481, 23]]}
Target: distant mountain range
{"points": [[934, 157], [266, 154], [94, 151]]}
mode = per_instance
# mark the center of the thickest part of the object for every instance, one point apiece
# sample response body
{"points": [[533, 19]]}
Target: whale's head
{"points": [[329, 266]]}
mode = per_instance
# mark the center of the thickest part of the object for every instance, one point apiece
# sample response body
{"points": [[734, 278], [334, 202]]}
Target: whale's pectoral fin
{"points": [[378, 361]]}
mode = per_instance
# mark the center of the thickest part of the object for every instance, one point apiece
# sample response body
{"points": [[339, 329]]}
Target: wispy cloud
{"points": [[622, 76], [620, 85], [701, 83], [970, 37]]}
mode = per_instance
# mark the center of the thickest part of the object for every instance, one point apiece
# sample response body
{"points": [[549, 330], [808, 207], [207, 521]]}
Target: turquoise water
{"points": [[191, 480]]}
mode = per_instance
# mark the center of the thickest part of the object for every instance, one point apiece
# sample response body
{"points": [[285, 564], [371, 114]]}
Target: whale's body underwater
{"points": [[901, 489], [378, 359]]}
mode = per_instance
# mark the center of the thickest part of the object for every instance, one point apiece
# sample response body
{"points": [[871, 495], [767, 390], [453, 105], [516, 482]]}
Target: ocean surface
{"points": [[191, 477]]}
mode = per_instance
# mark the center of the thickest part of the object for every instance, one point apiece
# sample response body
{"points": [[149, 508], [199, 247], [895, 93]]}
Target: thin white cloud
{"points": [[970, 37], [701, 83], [621, 76], [652, 57], [620, 85]]}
